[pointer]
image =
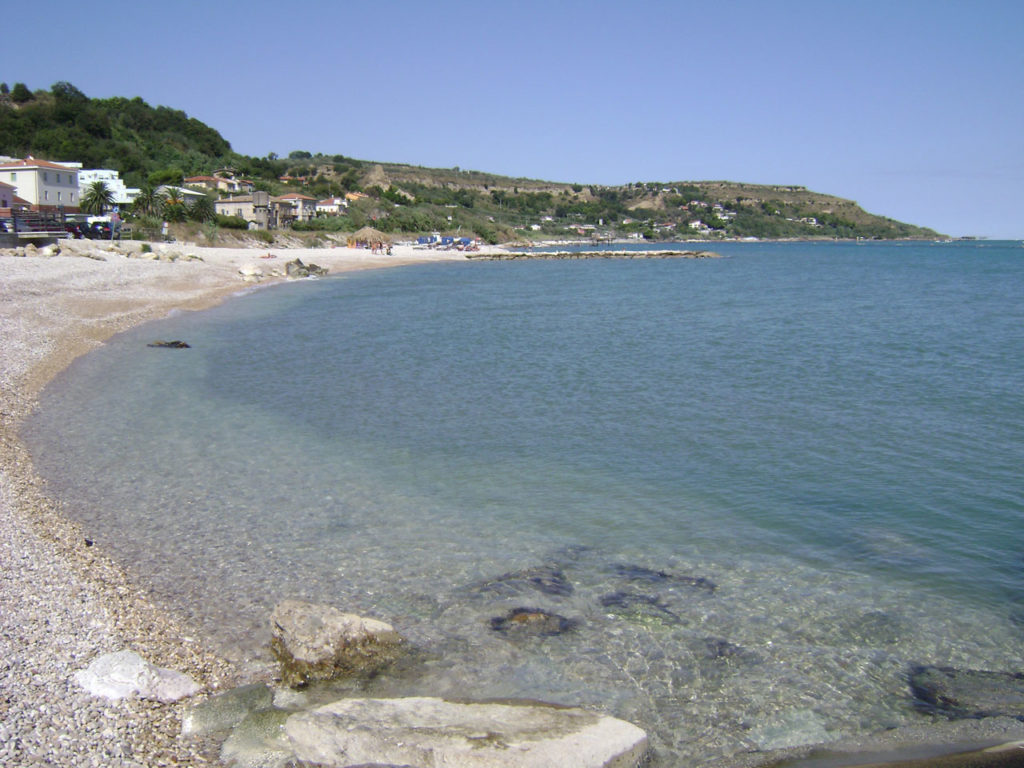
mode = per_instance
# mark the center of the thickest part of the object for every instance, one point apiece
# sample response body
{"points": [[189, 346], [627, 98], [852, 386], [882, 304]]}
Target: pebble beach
{"points": [[62, 601]]}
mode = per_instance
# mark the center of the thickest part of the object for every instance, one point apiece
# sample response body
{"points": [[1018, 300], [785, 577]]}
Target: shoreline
{"points": [[61, 602]]}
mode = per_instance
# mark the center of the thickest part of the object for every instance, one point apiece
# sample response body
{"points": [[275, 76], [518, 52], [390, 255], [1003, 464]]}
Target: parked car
{"points": [[77, 230], [99, 230]]}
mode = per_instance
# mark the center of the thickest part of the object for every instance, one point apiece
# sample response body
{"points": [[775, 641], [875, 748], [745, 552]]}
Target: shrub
{"points": [[231, 222], [265, 235]]}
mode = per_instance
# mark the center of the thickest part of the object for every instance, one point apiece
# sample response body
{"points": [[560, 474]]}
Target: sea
{"points": [[731, 500]]}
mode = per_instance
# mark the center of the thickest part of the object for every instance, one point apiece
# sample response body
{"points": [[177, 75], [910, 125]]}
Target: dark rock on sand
{"points": [[297, 269], [546, 579], [169, 344], [532, 622], [968, 693]]}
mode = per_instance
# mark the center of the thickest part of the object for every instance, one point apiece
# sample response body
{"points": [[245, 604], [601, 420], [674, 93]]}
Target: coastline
{"points": [[62, 603]]}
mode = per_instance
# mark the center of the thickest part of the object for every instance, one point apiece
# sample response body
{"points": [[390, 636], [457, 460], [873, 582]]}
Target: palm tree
{"points": [[173, 205], [97, 198], [146, 202], [202, 209]]}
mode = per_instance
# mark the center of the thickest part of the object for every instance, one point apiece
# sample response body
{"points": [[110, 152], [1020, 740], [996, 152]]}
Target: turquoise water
{"points": [[762, 486]]}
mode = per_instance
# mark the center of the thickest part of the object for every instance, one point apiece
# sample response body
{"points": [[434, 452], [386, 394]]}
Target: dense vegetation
{"points": [[158, 145]]}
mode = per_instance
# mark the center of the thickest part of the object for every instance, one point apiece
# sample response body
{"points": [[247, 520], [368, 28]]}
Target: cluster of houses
{"points": [[40, 186], [264, 211]]}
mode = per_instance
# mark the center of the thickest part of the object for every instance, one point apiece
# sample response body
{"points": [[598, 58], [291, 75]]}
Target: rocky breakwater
{"points": [[315, 642], [555, 255]]}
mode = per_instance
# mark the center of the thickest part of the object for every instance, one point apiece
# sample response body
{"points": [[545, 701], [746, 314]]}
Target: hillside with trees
{"points": [[150, 146]]}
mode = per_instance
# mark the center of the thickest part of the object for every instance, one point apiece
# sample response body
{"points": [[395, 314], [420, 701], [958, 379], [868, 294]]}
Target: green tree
{"points": [[97, 198], [202, 209], [173, 205], [166, 176], [147, 202], [20, 93]]}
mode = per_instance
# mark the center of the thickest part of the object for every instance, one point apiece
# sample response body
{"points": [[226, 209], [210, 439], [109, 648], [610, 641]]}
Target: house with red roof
{"points": [[43, 185], [220, 183]]}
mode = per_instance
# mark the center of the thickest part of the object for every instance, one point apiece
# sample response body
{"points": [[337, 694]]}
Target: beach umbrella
{"points": [[368, 235]]}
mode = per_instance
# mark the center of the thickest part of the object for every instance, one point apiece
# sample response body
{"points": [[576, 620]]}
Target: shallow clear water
{"points": [[772, 481]]}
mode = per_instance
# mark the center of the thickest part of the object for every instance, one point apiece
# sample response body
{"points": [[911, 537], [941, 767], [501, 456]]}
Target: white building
{"points": [[44, 185], [332, 206], [122, 195]]}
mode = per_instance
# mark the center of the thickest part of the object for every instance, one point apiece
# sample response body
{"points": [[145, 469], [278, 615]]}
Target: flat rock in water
{"points": [[425, 731], [124, 674], [319, 642], [169, 344], [968, 692]]}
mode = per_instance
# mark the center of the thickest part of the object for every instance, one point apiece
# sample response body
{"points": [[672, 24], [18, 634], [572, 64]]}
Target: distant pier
{"points": [[667, 254]]}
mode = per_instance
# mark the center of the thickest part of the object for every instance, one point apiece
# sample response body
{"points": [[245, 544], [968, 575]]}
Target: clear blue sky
{"points": [[913, 109]]}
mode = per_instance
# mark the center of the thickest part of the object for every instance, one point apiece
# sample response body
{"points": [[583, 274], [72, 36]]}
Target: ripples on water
{"points": [[828, 434]]}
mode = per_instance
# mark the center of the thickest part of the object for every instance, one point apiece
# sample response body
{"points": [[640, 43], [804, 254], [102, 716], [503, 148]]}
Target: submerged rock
{"points": [[259, 741], [226, 710], [968, 692], [792, 728], [532, 621], [125, 674], [546, 579], [169, 344], [722, 650], [640, 574], [319, 642], [639, 608], [429, 731]]}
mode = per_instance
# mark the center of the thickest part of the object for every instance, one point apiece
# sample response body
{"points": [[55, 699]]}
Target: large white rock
{"points": [[435, 732], [125, 673]]}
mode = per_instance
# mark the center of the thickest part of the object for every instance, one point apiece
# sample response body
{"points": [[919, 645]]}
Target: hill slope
{"points": [[154, 145]]}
